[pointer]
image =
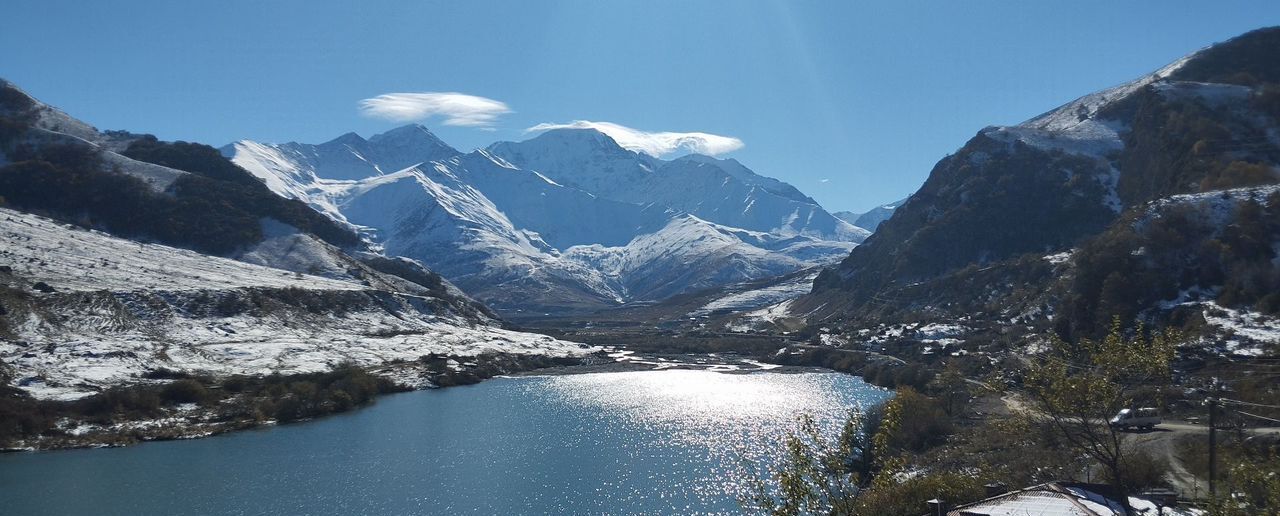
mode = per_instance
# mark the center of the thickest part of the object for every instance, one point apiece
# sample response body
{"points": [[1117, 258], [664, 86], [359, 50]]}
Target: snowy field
{"points": [[69, 365], [120, 309], [758, 320], [756, 298], [70, 258]]}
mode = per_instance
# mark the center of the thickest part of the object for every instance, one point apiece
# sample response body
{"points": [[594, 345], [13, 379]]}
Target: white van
{"points": [[1144, 418]]}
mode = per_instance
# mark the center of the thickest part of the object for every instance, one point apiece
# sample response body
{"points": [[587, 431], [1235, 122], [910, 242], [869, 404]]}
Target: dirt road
{"points": [[1160, 442]]}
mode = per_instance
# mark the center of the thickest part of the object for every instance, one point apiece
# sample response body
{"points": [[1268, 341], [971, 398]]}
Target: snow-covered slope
{"points": [[569, 238], [744, 300], [1081, 125], [693, 254], [80, 310], [72, 259]]}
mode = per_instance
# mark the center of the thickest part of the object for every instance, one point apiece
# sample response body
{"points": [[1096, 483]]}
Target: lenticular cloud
{"points": [[457, 109], [656, 144]]}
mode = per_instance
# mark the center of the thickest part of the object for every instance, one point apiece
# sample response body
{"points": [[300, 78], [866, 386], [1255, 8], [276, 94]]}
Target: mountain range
{"points": [[565, 222], [870, 220]]}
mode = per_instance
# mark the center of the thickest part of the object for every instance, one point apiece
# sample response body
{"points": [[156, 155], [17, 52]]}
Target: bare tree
{"points": [[1076, 389]]}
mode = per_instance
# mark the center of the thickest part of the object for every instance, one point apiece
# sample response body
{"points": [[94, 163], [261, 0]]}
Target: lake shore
{"points": [[149, 411], [222, 413], [621, 360]]}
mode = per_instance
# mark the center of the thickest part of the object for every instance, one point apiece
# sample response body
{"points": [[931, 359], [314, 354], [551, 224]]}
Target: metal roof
{"points": [[1062, 499]]}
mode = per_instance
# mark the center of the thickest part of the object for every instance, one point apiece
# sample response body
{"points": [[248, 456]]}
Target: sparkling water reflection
{"points": [[709, 420], [635, 442]]}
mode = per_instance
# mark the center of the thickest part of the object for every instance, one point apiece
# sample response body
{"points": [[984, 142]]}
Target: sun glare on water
{"points": [[731, 420], [724, 417], [684, 397]]}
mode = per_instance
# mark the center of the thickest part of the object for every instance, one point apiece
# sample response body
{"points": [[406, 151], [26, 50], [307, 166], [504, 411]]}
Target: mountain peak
{"points": [[407, 131], [347, 139], [699, 158], [583, 138], [1247, 59], [13, 99], [409, 144]]}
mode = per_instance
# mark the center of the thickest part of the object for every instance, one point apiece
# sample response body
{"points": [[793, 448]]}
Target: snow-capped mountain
{"points": [[870, 220], [721, 191], [568, 221]]}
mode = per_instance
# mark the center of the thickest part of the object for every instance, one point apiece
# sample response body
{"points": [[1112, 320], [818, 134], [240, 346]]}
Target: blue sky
{"points": [[864, 95]]}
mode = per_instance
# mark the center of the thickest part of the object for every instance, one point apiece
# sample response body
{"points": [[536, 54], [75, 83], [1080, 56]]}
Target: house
{"points": [[1066, 499]]}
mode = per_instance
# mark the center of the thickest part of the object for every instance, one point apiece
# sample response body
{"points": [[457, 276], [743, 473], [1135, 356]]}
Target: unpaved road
{"points": [[1014, 404], [1160, 443]]}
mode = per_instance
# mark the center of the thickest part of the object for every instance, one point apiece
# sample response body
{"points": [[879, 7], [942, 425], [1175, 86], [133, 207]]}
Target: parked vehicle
{"points": [[1144, 418]]}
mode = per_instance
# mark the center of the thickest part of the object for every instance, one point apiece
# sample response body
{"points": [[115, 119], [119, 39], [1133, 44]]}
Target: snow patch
{"points": [[70, 258]]}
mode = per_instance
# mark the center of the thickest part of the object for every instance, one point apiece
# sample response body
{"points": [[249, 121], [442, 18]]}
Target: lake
{"points": [[666, 441]]}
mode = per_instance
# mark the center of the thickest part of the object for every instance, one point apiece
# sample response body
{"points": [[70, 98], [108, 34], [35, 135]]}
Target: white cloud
{"points": [[654, 144], [824, 180], [456, 108]]}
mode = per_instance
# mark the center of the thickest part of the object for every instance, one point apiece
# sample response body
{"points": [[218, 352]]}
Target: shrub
{"points": [[1238, 174], [1141, 471], [118, 402], [191, 157], [240, 399], [913, 422], [1267, 100], [907, 497], [184, 391]]}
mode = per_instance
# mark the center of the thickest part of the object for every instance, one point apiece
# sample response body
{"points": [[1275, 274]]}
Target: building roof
{"points": [[1061, 499]]}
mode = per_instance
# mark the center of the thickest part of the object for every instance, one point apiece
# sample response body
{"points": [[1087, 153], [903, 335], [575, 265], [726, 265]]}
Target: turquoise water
{"points": [[634, 442]]}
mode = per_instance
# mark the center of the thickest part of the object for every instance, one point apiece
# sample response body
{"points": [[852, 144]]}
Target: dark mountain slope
{"points": [[1013, 196]]}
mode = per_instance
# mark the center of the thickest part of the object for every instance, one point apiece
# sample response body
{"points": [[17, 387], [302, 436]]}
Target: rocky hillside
{"points": [[1028, 222]]}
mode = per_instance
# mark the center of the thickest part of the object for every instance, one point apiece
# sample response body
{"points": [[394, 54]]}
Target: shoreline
{"points": [[624, 361], [195, 421]]}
